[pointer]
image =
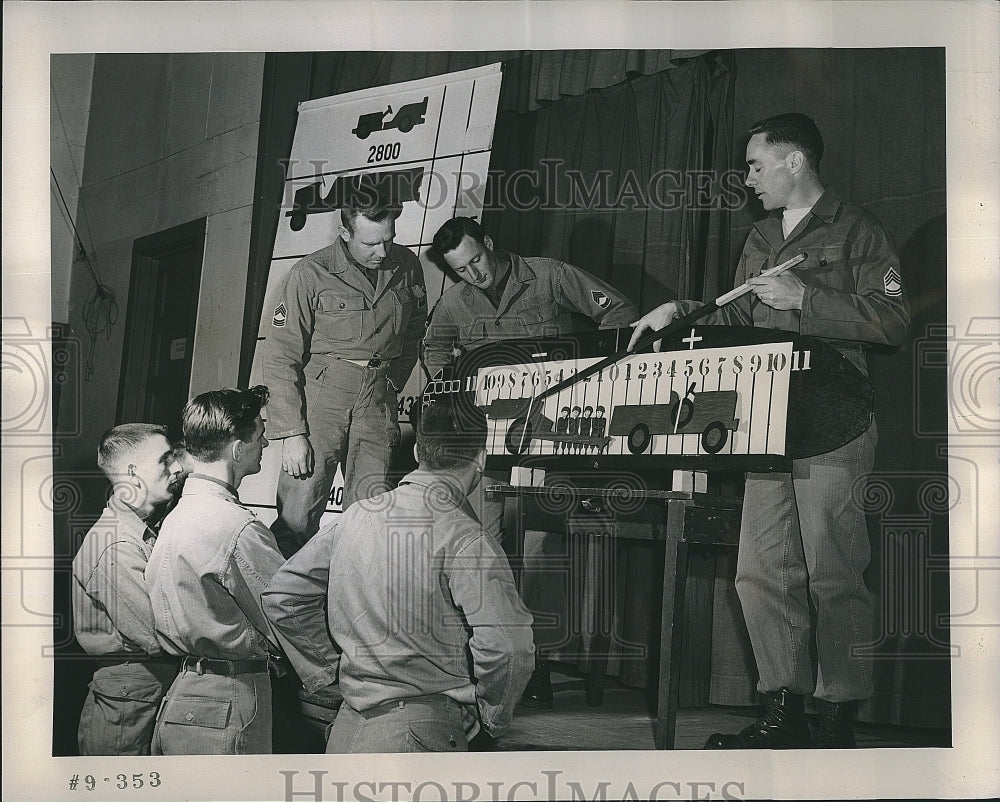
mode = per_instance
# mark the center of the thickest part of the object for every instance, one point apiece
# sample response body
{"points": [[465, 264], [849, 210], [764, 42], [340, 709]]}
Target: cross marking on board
{"points": [[692, 340]]}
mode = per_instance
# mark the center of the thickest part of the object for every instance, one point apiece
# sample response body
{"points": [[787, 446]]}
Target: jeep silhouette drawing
{"points": [[408, 116], [709, 413]]}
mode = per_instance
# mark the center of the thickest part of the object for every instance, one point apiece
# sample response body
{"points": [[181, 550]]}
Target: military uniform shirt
{"points": [[853, 289], [328, 310], [540, 295], [111, 609], [212, 560]]}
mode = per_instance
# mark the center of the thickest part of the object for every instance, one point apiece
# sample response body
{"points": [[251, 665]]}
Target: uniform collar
{"points": [[127, 515], [351, 272], [825, 209], [432, 482], [209, 485], [520, 275]]}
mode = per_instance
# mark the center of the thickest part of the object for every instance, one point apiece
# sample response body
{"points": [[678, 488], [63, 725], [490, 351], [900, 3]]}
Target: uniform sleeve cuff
{"points": [[319, 679], [281, 435]]}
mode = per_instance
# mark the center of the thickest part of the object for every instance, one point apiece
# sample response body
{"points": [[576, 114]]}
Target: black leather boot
{"points": [[538, 693], [835, 727], [783, 726]]}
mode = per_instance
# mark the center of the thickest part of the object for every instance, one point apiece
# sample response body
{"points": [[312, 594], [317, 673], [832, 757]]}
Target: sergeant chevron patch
{"points": [[280, 316], [893, 283], [600, 299]]}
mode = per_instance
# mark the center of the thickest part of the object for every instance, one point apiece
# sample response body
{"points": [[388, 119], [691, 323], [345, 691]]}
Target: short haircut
{"points": [[449, 236], [212, 420], [118, 443], [450, 433], [793, 129], [368, 204]]}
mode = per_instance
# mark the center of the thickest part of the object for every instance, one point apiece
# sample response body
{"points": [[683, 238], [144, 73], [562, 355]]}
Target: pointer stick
{"points": [[677, 325]]}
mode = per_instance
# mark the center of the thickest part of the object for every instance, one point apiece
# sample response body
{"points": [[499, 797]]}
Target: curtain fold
{"points": [[532, 78]]}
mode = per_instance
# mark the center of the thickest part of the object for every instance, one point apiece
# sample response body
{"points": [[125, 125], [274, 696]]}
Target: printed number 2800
{"points": [[383, 153]]}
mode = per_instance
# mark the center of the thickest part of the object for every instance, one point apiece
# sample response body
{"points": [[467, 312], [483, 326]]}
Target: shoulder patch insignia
{"points": [[893, 283], [280, 316], [600, 299]]}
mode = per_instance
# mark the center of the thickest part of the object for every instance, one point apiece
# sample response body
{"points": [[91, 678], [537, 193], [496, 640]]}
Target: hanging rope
{"points": [[100, 312]]}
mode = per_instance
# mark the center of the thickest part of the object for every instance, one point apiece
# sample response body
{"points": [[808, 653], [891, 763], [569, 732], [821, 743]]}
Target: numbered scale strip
{"points": [[731, 400]]}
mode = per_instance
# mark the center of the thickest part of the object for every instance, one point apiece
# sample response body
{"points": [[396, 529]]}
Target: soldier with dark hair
{"points": [[343, 340], [435, 643], [210, 564], [505, 296], [112, 615], [804, 543]]}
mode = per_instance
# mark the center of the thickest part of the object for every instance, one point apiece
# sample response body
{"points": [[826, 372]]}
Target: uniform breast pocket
{"points": [[754, 266], [826, 266], [339, 318], [534, 320], [403, 308]]}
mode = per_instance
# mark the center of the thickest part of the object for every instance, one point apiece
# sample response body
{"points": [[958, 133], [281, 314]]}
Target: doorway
{"points": [[159, 331]]}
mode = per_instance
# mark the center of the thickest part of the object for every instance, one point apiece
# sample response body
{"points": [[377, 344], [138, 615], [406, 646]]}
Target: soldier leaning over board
{"points": [[505, 296], [802, 538]]}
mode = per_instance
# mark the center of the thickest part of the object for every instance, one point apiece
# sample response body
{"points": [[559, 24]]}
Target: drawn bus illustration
{"points": [[711, 413], [406, 118], [396, 187], [533, 424]]}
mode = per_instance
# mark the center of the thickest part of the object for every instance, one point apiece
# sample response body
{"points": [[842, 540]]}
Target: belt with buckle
{"points": [[224, 668], [436, 700], [106, 661], [371, 363]]}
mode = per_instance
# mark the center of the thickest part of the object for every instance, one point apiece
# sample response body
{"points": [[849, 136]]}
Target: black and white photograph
{"points": [[608, 389]]}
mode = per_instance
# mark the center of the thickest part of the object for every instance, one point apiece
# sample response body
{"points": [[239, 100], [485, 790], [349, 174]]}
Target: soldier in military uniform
{"points": [[343, 340], [211, 562], [506, 296], [802, 538], [112, 615]]}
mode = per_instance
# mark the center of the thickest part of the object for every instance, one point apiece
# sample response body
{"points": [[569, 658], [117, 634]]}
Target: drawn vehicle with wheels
{"points": [[710, 413], [531, 424], [408, 116], [395, 187], [367, 123]]}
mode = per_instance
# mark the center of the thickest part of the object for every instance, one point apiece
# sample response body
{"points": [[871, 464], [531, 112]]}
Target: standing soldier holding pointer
{"points": [[803, 541]]}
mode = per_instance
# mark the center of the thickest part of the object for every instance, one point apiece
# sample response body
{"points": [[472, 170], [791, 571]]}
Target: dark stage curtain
{"points": [[637, 114]]}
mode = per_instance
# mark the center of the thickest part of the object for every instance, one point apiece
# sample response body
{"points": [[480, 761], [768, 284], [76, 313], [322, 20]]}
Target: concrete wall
{"points": [[171, 138], [69, 104]]}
